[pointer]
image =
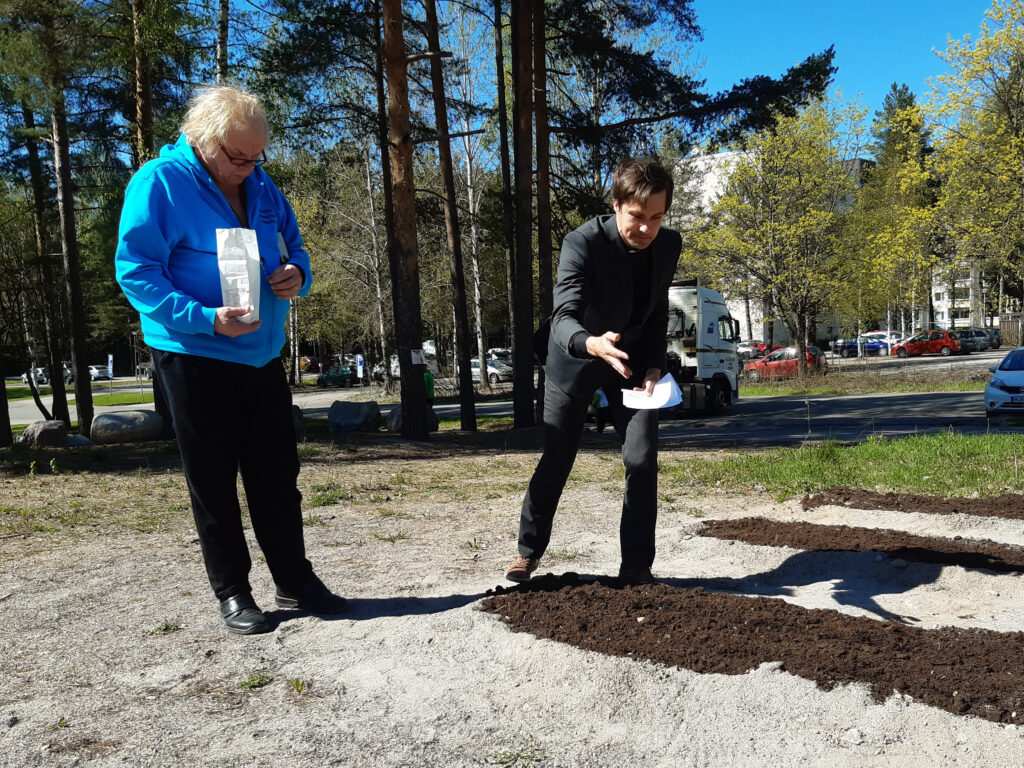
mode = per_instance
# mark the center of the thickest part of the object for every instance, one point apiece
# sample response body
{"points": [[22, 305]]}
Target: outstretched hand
{"points": [[226, 322], [603, 346]]}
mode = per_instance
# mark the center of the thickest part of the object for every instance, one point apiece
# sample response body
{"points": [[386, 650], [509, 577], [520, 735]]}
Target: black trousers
{"points": [[232, 418], [564, 417]]}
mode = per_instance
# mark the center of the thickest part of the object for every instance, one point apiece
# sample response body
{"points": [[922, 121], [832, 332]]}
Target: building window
{"points": [[938, 296], [961, 294]]}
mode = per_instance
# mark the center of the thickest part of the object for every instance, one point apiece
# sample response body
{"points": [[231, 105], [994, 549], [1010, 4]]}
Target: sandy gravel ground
{"points": [[416, 675]]}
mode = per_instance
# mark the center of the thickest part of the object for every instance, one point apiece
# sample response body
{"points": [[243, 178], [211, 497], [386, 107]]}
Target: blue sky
{"points": [[877, 43]]}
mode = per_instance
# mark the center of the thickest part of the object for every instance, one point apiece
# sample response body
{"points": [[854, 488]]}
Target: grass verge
{"points": [[947, 464]]}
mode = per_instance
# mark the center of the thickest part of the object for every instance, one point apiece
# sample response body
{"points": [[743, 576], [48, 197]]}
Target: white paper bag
{"points": [[238, 258]]}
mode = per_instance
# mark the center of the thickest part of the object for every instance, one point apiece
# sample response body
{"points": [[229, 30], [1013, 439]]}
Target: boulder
{"points": [[49, 434], [126, 427], [78, 441], [394, 420], [347, 416]]}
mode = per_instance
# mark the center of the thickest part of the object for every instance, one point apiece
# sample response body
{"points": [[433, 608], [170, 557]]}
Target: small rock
{"points": [[852, 736], [879, 558], [899, 563], [12, 721], [641, 619]]}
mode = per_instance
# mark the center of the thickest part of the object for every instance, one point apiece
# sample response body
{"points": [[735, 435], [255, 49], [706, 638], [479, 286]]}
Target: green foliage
{"points": [[255, 680]]}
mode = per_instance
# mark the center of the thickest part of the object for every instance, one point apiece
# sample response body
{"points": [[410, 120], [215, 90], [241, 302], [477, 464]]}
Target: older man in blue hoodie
{"points": [[222, 375]]}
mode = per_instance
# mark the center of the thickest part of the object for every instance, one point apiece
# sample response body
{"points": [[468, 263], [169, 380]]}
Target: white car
{"points": [[1004, 393], [496, 370], [39, 374]]}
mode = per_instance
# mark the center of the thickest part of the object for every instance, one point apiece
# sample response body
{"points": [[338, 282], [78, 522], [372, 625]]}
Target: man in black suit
{"points": [[607, 330]]}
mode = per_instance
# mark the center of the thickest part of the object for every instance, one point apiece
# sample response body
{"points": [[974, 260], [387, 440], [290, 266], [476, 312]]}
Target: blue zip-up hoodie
{"points": [[166, 260]]}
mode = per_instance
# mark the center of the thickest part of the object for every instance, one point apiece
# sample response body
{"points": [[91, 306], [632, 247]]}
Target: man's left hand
{"points": [[653, 377], [285, 281]]}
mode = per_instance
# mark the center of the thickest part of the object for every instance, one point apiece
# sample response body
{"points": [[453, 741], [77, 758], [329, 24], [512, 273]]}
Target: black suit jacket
{"points": [[594, 294]]}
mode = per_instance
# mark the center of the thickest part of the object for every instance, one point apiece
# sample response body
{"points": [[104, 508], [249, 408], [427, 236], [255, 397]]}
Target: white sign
{"points": [[359, 366], [110, 365]]}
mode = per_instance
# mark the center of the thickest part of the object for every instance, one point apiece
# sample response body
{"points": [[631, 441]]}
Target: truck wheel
{"points": [[901, 353], [493, 378], [945, 351], [718, 398]]}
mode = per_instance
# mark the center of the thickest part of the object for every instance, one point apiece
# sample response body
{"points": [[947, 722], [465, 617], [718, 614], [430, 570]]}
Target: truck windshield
{"points": [[725, 327]]}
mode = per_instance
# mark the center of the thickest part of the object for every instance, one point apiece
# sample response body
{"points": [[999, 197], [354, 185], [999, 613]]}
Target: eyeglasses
{"points": [[241, 161]]}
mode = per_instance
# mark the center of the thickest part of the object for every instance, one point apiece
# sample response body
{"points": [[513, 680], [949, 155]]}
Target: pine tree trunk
{"points": [[52, 316], [544, 245], [506, 174], [222, 40], [522, 348], [143, 89], [404, 255], [467, 412], [69, 241]]}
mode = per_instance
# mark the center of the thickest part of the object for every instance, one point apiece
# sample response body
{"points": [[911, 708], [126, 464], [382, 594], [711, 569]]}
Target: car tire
{"points": [[901, 353], [753, 375], [493, 378], [883, 351], [945, 351]]}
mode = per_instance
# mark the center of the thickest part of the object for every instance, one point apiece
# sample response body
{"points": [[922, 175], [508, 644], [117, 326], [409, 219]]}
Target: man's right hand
{"points": [[603, 346], [226, 322]]}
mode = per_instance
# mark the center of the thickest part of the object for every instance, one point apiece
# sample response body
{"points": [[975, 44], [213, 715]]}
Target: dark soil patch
{"points": [[964, 671], [1009, 505], [966, 553]]}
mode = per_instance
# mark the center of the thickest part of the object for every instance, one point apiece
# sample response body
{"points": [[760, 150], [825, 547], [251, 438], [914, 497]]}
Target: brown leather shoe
{"points": [[637, 574], [522, 568]]}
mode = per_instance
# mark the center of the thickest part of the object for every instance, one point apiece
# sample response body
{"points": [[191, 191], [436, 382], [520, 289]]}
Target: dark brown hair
{"points": [[637, 178]]}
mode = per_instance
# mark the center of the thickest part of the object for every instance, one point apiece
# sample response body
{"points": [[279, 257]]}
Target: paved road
{"points": [[754, 420]]}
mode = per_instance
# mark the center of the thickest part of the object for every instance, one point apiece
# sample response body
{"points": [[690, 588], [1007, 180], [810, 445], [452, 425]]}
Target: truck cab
{"points": [[702, 338]]}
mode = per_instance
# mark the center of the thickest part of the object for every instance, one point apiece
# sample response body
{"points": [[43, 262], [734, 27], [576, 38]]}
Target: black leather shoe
{"points": [[312, 596], [242, 616], [636, 575]]}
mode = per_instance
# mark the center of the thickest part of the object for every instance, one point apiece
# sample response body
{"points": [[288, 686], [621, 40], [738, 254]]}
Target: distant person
{"points": [[607, 330], [428, 383], [223, 378], [602, 412]]}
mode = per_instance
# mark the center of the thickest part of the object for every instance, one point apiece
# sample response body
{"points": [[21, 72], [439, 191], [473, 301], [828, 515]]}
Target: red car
{"points": [[929, 343], [783, 364]]}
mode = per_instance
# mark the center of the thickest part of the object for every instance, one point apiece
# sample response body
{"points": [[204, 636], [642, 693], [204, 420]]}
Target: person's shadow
{"points": [[361, 609], [856, 579]]}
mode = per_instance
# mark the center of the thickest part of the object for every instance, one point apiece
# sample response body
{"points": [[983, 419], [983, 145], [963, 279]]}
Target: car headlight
{"points": [[995, 381]]}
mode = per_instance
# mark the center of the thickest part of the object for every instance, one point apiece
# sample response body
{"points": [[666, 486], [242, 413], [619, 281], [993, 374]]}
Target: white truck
{"points": [[702, 338]]}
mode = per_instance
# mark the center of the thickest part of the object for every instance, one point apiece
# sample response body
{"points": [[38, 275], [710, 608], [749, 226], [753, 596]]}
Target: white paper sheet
{"points": [[666, 394], [238, 258]]}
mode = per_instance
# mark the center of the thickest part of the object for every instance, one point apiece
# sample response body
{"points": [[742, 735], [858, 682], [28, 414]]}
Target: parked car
{"points": [[338, 376], [891, 338], [496, 370], [41, 376], [929, 343], [753, 349], [784, 364], [971, 341], [500, 353], [1004, 393], [97, 372], [995, 337], [851, 347], [980, 336]]}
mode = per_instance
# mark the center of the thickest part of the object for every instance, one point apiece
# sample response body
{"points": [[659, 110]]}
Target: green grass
{"points": [[19, 392], [946, 464], [122, 398], [823, 386], [483, 423]]}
